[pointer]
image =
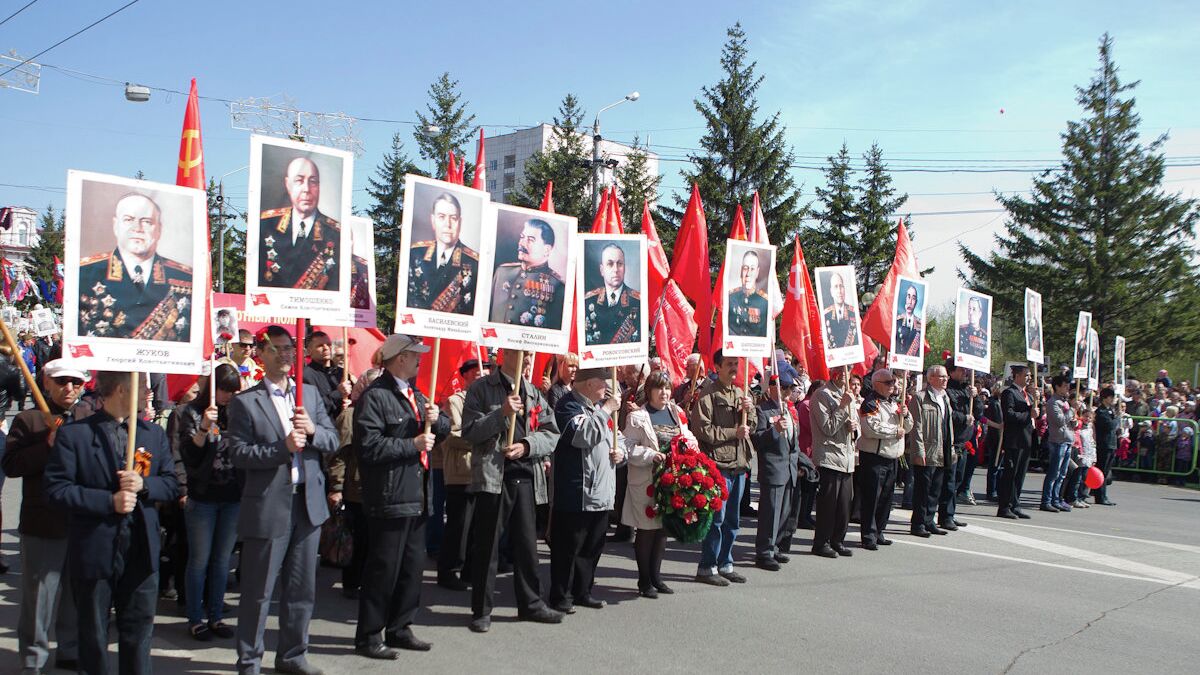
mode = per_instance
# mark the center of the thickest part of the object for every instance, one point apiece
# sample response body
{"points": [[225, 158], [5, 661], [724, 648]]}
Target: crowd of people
{"points": [[254, 460]]}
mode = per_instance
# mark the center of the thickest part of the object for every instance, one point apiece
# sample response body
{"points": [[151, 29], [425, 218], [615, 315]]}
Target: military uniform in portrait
{"points": [[972, 341], [310, 263], [748, 314], [442, 285], [116, 301], [610, 322], [527, 297], [908, 335], [841, 327]]}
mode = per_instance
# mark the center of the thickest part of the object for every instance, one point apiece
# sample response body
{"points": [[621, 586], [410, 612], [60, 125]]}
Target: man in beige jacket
{"points": [[930, 449], [884, 421]]}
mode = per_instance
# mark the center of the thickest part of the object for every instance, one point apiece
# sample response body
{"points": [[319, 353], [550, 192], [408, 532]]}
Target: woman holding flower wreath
{"points": [[648, 430]]}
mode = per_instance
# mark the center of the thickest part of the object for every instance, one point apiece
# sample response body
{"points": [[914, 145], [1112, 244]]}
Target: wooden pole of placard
{"points": [[512, 419], [346, 354], [615, 389], [437, 355], [131, 420], [298, 375], [30, 383]]}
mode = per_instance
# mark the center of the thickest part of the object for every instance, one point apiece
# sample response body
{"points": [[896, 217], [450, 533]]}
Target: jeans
{"points": [[716, 552], [970, 461], [212, 532], [434, 527], [1057, 460]]}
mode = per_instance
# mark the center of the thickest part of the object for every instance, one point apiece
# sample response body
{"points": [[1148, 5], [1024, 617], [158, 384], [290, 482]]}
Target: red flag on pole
{"points": [[800, 328], [548, 198], [879, 320], [689, 267], [189, 172], [659, 269], [758, 234], [454, 354], [451, 168], [674, 330], [738, 232], [478, 182], [58, 280]]}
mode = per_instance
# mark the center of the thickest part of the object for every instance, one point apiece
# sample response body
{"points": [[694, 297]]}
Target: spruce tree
{"points": [[40, 262], [235, 243], [456, 129], [386, 189], [635, 186], [564, 161], [877, 198], [741, 154], [1099, 234], [831, 241]]}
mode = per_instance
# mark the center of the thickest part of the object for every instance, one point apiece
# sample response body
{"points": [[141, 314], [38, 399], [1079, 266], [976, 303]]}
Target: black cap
{"points": [[468, 366]]}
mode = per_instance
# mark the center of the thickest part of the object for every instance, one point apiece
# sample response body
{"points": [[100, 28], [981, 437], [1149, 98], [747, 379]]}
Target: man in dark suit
{"points": [[299, 246], [777, 445], [279, 444], [841, 319], [908, 326], [113, 535], [1019, 409], [614, 310], [442, 272], [322, 374], [749, 310], [132, 291], [528, 292], [395, 427]]}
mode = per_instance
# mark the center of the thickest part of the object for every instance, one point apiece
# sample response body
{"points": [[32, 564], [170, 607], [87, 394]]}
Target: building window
{"points": [[510, 181], [492, 182], [492, 165], [510, 161], [22, 236]]}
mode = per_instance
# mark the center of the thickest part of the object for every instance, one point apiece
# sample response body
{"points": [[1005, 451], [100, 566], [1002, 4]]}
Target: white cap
{"points": [[66, 368]]}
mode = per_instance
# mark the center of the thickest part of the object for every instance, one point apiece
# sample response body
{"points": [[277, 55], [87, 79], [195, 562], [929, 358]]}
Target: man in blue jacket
{"points": [[112, 529]]}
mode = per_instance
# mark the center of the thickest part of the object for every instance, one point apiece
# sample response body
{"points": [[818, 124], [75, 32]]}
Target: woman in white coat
{"points": [[646, 430]]}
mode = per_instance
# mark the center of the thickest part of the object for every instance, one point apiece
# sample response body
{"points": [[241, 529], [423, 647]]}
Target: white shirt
{"points": [[442, 254], [943, 400], [146, 267], [302, 227], [285, 406]]}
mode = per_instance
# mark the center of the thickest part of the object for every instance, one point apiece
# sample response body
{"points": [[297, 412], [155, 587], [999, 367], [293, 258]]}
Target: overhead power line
{"points": [[91, 25], [27, 6]]}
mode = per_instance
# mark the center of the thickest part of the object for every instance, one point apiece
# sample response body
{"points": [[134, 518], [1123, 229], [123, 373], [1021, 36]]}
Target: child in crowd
{"points": [[1076, 490], [1184, 447]]}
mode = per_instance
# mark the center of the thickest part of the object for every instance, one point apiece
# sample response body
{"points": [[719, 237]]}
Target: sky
{"points": [[936, 84]]}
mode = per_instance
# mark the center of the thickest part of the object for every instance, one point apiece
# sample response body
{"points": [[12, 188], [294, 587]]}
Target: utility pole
{"points": [[221, 235]]}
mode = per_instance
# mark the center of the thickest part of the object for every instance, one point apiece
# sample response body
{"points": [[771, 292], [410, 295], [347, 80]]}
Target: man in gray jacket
{"points": [[508, 483], [777, 445], [884, 421], [834, 425], [585, 485], [1060, 432], [930, 449]]}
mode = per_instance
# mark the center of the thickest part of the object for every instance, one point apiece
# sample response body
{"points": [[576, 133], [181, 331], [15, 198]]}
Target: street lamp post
{"points": [[221, 228], [596, 161]]}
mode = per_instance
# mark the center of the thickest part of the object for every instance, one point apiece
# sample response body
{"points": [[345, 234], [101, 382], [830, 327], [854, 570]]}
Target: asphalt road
{"points": [[1096, 590]]}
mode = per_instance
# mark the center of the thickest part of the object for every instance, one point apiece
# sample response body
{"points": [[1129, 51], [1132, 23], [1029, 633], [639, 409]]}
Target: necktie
{"points": [[412, 401], [139, 279], [443, 259], [612, 298]]}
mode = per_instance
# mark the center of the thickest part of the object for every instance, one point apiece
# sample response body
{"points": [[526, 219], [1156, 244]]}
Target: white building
{"points": [[16, 241], [507, 154]]}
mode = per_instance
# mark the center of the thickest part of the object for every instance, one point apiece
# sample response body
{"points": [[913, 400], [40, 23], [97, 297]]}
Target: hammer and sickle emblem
{"points": [[189, 161]]}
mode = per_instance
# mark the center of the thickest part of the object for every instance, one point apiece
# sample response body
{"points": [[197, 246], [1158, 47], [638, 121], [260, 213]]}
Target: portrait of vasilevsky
{"points": [[442, 272], [132, 291], [840, 318], [908, 323], [749, 306], [973, 335], [528, 292], [299, 247], [612, 310]]}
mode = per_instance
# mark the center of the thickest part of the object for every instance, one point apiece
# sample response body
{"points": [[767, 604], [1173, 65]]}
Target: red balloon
{"points": [[1094, 478]]}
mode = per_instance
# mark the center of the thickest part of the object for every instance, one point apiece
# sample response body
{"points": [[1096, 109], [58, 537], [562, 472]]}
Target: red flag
{"points": [[190, 173], [674, 330], [689, 266], [478, 182], [608, 216], [758, 234], [548, 198], [454, 353], [800, 328], [659, 269], [6, 274], [58, 280], [451, 168], [879, 321]]}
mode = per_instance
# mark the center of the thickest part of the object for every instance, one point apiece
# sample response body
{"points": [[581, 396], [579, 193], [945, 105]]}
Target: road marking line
{"points": [[1188, 548], [1162, 574], [1071, 568]]}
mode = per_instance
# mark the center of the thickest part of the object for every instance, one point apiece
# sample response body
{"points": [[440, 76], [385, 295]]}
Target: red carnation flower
{"points": [[707, 482], [697, 475], [650, 512], [677, 502], [667, 479], [724, 492], [685, 481], [716, 503], [689, 461], [699, 501]]}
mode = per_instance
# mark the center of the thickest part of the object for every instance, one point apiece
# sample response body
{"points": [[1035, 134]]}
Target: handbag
{"points": [[337, 541]]}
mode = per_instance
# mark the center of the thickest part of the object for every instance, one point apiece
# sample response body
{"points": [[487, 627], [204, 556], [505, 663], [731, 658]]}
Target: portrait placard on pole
{"points": [[442, 255], [363, 296], [908, 331], [1093, 359], [44, 320], [1080, 368], [613, 312], [1034, 349], [746, 307], [133, 251], [224, 325], [1119, 366], [837, 300], [530, 281], [973, 331], [297, 241]]}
